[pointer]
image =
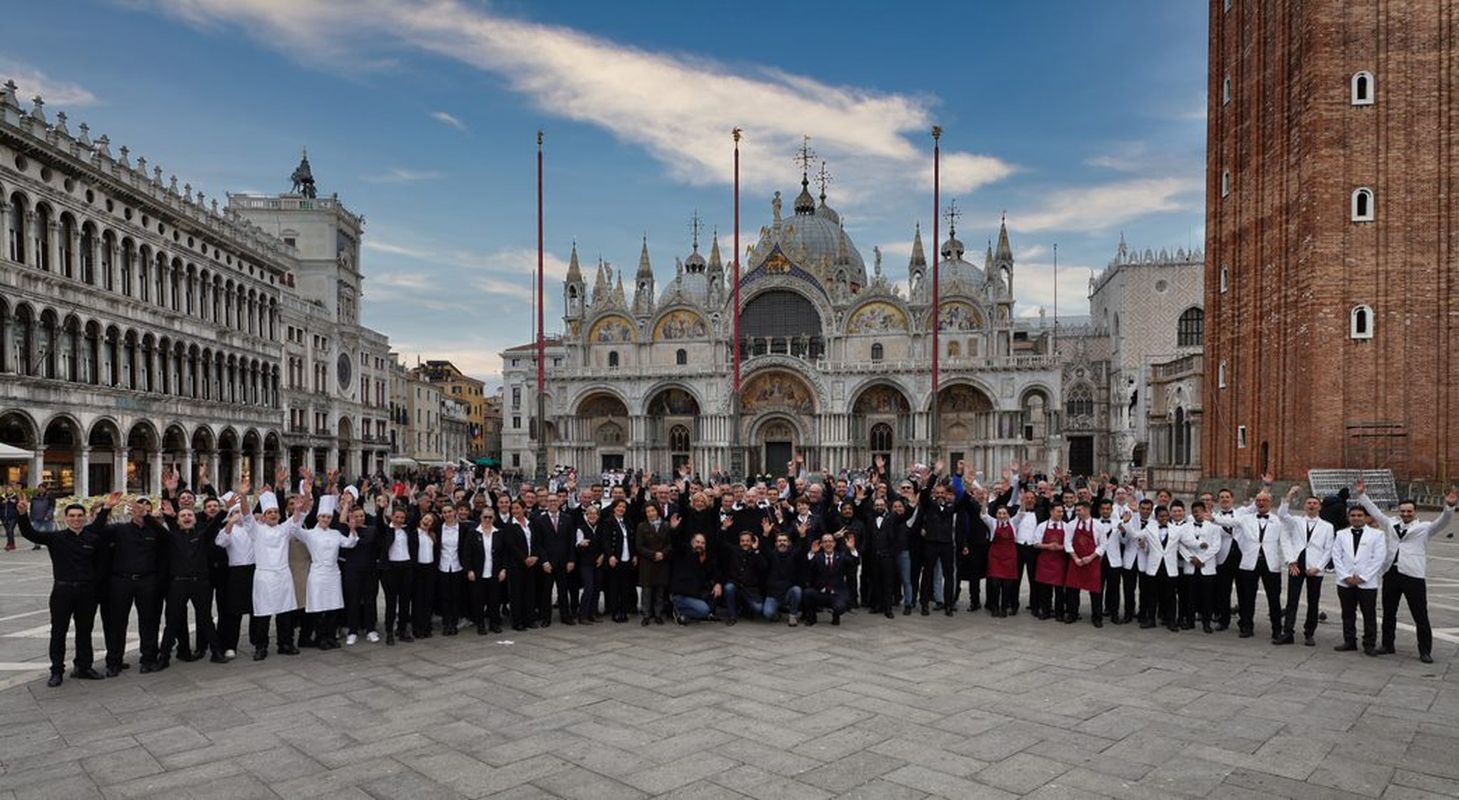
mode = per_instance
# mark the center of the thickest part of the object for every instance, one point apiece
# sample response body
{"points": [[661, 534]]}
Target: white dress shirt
{"points": [[450, 548], [427, 549], [399, 546], [488, 569], [1365, 561]]}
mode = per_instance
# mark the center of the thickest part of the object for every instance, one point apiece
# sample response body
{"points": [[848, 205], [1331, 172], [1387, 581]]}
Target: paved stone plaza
{"points": [[967, 707]]}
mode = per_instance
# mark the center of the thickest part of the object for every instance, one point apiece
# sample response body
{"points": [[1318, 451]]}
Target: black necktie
{"points": [[1357, 539], [1398, 529], [1162, 534], [1310, 526]]}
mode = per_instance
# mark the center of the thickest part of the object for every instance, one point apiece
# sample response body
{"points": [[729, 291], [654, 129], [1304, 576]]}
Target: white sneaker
{"points": [[230, 654], [373, 637], [351, 639]]}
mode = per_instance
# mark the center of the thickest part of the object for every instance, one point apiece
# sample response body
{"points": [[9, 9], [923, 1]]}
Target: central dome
{"points": [[813, 238]]}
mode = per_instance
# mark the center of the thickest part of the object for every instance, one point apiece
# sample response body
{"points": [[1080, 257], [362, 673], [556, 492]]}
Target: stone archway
{"points": [[673, 423], [17, 429]]}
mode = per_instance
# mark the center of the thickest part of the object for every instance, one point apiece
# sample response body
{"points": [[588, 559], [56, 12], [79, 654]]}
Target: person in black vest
{"points": [[589, 557], [73, 592]]}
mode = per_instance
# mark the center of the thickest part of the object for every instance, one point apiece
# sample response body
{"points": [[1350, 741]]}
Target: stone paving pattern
{"points": [[962, 707]]}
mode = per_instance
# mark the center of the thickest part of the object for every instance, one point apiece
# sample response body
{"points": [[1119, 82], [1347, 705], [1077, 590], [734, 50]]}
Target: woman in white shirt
{"points": [[425, 575], [451, 574]]}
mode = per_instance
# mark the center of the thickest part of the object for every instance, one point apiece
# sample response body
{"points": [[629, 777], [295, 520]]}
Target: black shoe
{"points": [[925, 611], [1386, 650], [1309, 641], [1223, 626], [406, 637], [147, 669], [646, 621], [1246, 634], [1098, 622], [112, 672], [1116, 619], [1370, 651], [87, 674], [937, 606], [906, 611], [125, 665], [658, 620], [1346, 647], [163, 663], [1147, 624], [975, 606], [390, 638], [1285, 639], [810, 620], [260, 653], [1426, 658], [55, 676], [218, 658], [836, 617], [731, 621], [1206, 626], [889, 614], [288, 650], [547, 623], [947, 612]]}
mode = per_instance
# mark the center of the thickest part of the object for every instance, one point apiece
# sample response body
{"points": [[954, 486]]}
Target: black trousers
{"points": [[1202, 597], [1129, 583], [1226, 573], [621, 596], [1071, 603], [1111, 578], [398, 580], [1162, 598], [125, 591], [485, 595], [1028, 560], [72, 600], [937, 555], [589, 577], [218, 579], [1003, 593], [180, 594], [284, 623], [451, 593], [1352, 599], [1415, 592], [1295, 583], [835, 602], [881, 577], [237, 601], [361, 593], [424, 580], [1185, 598], [562, 581], [521, 586], [1271, 585], [324, 624]]}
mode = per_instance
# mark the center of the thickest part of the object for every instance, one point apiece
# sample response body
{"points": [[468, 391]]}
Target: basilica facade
{"points": [[835, 361]]}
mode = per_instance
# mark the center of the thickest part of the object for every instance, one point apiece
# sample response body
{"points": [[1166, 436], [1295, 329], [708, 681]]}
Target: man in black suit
{"points": [[885, 537], [554, 534], [483, 554], [826, 578]]}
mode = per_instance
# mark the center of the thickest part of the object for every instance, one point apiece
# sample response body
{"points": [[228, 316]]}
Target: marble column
{"points": [[119, 470], [154, 465], [37, 466], [82, 478]]}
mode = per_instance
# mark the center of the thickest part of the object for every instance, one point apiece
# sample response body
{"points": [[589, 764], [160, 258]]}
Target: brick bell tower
{"points": [[1331, 292]]}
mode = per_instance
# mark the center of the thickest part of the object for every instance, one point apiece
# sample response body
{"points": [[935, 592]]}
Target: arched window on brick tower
{"points": [[1363, 88]]}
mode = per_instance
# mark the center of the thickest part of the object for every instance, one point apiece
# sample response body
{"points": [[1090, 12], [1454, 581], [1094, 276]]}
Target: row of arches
{"points": [[37, 235], [109, 455], [41, 342]]}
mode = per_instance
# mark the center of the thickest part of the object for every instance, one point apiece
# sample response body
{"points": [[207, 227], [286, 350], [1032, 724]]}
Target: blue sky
{"points": [[1081, 120]]}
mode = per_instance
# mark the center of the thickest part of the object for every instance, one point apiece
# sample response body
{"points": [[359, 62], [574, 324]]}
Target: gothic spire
{"points": [[645, 270], [919, 256], [574, 272], [1005, 252], [714, 259]]}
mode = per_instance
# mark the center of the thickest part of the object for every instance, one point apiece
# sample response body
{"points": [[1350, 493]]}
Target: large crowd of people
{"points": [[307, 559]]}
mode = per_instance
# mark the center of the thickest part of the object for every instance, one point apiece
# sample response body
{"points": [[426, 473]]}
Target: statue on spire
{"points": [[303, 178], [823, 178]]}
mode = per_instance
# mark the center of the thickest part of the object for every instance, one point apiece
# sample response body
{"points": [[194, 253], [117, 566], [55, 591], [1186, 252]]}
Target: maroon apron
{"points": [[1086, 577], [1052, 563], [1003, 554]]}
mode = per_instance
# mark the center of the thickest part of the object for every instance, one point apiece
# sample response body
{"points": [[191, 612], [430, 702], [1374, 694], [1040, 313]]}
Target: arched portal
{"points": [[673, 422]]}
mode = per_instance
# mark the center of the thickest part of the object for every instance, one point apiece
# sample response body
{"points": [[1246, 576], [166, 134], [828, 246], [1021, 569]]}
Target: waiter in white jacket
{"points": [[1160, 542], [1359, 553], [1200, 545], [1308, 546], [1407, 567], [1259, 535]]}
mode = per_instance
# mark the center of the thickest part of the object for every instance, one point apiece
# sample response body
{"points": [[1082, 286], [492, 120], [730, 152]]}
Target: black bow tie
{"points": [[1357, 531], [1261, 516]]}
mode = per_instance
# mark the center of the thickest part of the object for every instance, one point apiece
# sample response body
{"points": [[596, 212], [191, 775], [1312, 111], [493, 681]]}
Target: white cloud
{"points": [[402, 175], [1033, 286], [30, 82], [447, 118], [381, 246], [678, 107], [1093, 209]]}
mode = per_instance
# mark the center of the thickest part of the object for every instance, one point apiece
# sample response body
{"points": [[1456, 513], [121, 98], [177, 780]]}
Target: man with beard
{"points": [[695, 586], [826, 578], [744, 578]]}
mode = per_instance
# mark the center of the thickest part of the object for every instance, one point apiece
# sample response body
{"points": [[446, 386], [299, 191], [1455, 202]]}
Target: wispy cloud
{"points": [[402, 175], [678, 108], [447, 118], [30, 82], [1094, 209]]}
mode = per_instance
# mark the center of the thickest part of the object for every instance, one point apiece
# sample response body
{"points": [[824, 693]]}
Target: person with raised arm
{"points": [[272, 595], [1046, 598], [1308, 549], [187, 546], [1198, 547], [1002, 558], [324, 592], [1258, 531], [1160, 543], [397, 542], [1407, 566], [72, 550]]}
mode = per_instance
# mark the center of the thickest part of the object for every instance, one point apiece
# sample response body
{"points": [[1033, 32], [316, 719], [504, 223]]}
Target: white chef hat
{"points": [[226, 498], [268, 501], [327, 505], [352, 492]]}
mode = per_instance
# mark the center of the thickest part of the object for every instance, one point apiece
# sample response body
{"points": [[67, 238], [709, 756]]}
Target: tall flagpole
{"points": [[1055, 348], [737, 455], [935, 427], [541, 340]]}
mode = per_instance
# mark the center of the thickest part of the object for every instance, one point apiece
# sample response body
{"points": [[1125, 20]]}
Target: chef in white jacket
{"points": [[324, 592], [1259, 535], [273, 584], [1359, 553], [1307, 543], [1405, 573]]}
